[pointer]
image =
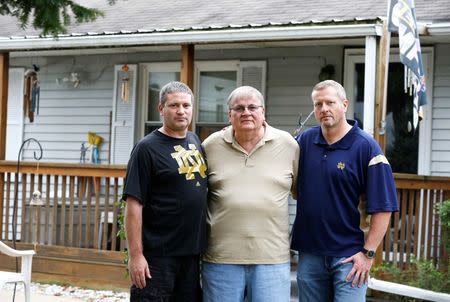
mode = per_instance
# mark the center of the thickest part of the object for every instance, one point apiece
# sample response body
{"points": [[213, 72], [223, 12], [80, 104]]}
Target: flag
{"points": [[402, 19]]}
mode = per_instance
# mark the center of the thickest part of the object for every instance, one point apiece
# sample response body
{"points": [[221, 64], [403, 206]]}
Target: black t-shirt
{"points": [[168, 176]]}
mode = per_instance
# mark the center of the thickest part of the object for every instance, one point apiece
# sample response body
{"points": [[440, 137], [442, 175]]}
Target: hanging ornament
{"points": [[125, 85], [36, 199]]}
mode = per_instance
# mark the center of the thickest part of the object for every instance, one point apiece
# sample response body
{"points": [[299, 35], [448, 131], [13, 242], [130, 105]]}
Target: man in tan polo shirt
{"points": [[252, 168]]}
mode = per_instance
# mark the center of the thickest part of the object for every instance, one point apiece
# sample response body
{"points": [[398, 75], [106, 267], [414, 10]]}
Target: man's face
{"points": [[329, 109], [246, 114], [177, 111]]}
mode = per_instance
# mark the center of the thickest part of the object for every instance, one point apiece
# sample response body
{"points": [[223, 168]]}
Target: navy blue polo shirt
{"points": [[331, 180]]}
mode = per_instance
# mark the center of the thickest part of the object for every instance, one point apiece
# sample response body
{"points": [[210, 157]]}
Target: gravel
{"points": [[88, 295]]}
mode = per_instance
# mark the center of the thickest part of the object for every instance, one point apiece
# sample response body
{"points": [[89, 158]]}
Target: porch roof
{"points": [[138, 22]]}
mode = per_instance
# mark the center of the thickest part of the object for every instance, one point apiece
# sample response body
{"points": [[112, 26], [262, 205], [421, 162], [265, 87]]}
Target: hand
{"points": [[139, 270], [360, 269]]}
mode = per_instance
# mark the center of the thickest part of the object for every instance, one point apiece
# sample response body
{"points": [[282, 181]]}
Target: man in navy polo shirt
{"points": [[339, 162]]}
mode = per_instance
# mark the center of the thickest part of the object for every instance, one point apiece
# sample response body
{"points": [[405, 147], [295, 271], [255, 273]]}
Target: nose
{"points": [[180, 109], [325, 108], [246, 110]]}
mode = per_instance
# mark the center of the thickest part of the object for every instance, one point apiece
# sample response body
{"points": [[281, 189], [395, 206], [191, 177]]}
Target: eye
{"points": [[253, 107], [239, 108], [187, 106]]}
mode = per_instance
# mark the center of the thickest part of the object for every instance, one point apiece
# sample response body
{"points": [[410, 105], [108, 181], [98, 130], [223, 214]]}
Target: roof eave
{"points": [[439, 29], [193, 37]]}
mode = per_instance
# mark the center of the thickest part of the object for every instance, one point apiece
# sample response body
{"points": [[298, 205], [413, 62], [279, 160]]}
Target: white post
{"points": [[369, 84]]}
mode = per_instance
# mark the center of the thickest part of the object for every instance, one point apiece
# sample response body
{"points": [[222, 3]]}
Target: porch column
{"points": [[383, 45], [187, 67], [369, 83], [4, 70]]}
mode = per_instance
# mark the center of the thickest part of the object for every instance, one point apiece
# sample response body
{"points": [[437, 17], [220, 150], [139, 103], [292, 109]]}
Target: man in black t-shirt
{"points": [[165, 191]]}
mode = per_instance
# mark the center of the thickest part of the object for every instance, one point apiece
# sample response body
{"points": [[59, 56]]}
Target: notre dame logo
{"points": [[189, 161]]}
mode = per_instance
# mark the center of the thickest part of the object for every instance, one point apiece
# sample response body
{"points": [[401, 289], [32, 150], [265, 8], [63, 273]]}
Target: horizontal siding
{"points": [[66, 113], [440, 146], [290, 81]]}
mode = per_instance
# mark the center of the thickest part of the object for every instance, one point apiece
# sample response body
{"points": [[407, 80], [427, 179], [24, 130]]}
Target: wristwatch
{"points": [[369, 253]]}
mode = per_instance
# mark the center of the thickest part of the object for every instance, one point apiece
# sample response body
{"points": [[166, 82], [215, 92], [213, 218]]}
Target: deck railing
{"points": [[415, 230], [80, 204], [81, 210]]}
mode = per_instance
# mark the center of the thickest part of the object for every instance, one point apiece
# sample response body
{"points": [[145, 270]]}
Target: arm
{"points": [[361, 264], [296, 170], [137, 264]]}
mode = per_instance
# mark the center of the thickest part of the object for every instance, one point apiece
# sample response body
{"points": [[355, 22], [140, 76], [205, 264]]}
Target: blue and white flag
{"points": [[402, 19]]}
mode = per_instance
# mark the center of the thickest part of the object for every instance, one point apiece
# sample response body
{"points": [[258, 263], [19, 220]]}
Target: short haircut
{"points": [[243, 92], [340, 91], [174, 87]]}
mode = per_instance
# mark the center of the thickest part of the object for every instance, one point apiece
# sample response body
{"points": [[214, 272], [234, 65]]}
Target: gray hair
{"points": [[340, 91], [243, 92], [174, 87]]}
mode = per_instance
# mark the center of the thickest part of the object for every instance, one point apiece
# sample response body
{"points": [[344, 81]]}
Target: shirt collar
{"points": [[228, 134], [344, 143]]}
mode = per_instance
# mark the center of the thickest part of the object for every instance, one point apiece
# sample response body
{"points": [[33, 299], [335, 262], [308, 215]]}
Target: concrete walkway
{"points": [[6, 295]]}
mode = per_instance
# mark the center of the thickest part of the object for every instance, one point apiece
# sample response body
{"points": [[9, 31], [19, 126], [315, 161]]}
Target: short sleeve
{"points": [[138, 176]]}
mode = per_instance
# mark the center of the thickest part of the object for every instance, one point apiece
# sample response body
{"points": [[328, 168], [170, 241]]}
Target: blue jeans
{"points": [[264, 282], [322, 278]]}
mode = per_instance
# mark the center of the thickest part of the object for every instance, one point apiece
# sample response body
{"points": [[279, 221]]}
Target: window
{"points": [[154, 77], [214, 81]]}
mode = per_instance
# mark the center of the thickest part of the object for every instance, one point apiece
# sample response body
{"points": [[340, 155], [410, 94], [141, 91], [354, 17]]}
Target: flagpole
{"points": [[386, 72]]}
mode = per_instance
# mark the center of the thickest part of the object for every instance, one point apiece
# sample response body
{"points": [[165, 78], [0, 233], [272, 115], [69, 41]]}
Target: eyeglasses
{"points": [[241, 108]]}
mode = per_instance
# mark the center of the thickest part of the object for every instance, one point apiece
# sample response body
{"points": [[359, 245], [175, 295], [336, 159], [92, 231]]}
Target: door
{"points": [[407, 150]]}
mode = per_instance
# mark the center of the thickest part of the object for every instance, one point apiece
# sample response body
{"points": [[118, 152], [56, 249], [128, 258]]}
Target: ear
{"points": [[160, 109], [345, 102]]}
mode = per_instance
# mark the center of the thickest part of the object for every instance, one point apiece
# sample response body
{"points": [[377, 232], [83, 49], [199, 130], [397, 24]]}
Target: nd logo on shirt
{"points": [[189, 161]]}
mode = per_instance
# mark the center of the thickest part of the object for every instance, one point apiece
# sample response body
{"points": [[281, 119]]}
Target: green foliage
{"points": [[429, 277], [50, 16], [444, 212], [422, 273], [121, 232]]}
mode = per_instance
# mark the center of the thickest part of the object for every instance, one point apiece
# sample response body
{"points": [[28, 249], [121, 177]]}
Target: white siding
{"points": [[440, 146]]}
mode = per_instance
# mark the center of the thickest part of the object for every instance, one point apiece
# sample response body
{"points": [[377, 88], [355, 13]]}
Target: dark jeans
{"points": [[174, 279]]}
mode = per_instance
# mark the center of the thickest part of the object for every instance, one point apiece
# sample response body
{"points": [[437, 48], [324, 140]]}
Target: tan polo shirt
{"points": [[248, 219]]}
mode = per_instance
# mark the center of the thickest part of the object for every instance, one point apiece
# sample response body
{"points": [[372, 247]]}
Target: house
{"points": [[103, 77]]}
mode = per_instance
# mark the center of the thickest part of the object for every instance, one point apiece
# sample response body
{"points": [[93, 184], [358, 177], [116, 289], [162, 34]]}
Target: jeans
{"points": [[174, 279], [322, 278], [264, 282]]}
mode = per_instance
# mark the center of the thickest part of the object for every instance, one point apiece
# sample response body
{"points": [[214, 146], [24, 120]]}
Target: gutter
{"points": [[232, 35], [439, 29]]}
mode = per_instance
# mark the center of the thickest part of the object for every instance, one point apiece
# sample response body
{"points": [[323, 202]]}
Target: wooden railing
{"points": [[80, 204], [415, 230]]}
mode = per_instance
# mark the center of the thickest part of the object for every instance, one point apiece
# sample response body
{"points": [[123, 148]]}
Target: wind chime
{"points": [[31, 93], [125, 85]]}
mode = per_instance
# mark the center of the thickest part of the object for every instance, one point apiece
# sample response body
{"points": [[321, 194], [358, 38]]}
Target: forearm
{"points": [[379, 223], [133, 226]]}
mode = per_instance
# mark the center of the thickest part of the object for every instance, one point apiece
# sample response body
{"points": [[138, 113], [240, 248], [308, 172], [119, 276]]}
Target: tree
{"points": [[49, 16]]}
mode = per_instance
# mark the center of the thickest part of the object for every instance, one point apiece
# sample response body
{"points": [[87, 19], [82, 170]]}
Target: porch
{"points": [[74, 231]]}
